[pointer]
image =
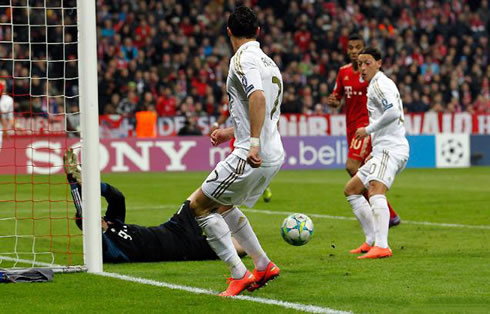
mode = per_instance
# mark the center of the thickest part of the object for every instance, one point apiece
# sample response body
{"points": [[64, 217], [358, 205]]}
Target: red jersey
{"points": [[226, 112], [351, 85]]}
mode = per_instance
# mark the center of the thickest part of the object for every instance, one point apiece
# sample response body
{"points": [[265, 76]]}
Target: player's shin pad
{"points": [[218, 236]]}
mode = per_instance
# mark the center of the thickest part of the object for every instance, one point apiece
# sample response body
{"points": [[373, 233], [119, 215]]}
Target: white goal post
{"points": [[89, 113], [48, 71]]}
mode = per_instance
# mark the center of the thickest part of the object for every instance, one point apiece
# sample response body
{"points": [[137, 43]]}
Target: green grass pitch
{"points": [[434, 268]]}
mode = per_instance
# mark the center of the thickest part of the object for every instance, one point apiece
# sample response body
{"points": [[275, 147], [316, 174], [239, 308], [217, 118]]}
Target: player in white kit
{"points": [[389, 157], [254, 87], [6, 112]]}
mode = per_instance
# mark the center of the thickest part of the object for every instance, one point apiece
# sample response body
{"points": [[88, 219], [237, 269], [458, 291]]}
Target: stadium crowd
{"points": [[172, 56]]}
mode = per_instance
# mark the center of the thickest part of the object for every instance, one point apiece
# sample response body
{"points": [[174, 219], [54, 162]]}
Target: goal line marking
{"points": [[289, 305]]}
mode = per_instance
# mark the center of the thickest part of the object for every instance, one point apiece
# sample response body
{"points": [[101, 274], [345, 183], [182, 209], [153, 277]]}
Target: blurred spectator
{"points": [[166, 104], [190, 128]]}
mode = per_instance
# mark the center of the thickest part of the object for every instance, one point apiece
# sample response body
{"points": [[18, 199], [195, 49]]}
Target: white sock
{"points": [[381, 219], [245, 236], [364, 215], [219, 239]]}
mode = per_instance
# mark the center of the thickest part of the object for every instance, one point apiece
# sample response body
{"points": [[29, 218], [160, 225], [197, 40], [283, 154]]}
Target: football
{"points": [[297, 229]]}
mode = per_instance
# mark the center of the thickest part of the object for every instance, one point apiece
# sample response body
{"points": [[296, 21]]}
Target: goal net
{"points": [[41, 80]]}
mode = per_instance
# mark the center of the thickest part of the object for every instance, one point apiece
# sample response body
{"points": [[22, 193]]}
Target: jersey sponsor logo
{"points": [[348, 91], [386, 105]]}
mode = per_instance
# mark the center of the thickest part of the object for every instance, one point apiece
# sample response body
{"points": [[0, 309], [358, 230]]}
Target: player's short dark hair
{"points": [[243, 22], [371, 51], [356, 36]]}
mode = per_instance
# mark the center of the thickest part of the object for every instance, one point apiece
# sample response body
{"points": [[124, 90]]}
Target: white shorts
{"points": [[382, 167], [235, 182]]}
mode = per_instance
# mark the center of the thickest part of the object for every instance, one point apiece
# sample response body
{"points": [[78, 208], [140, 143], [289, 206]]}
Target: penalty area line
{"points": [[289, 305]]}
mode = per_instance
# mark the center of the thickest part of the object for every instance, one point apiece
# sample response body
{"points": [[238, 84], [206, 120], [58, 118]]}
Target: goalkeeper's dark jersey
{"points": [[178, 239]]}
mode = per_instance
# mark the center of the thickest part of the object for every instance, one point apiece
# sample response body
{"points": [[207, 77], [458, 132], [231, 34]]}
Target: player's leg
{"points": [[395, 219], [382, 172], [217, 191], [217, 231], [359, 151], [241, 252], [352, 165], [245, 236], [377, 199], [353, 192], [264, 270], [219, 239]]}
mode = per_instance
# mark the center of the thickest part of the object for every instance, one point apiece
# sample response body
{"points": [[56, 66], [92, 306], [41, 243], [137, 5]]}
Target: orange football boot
{"points": [[235, 286], [377, 252], [262, 277], [364, 248]]}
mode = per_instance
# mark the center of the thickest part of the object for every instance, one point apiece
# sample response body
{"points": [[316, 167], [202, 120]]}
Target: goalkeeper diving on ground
{"points": [[178, 239]]}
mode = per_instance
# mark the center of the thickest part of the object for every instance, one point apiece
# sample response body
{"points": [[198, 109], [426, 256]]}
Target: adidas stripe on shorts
{"points": [[382, 167], [235, 182]]}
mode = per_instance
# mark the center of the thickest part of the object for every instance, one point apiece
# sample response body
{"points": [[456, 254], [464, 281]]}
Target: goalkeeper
{"points": [[178, 239]]}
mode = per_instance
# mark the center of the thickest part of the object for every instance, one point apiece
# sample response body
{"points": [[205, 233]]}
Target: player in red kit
{"points": [[353, 89]]}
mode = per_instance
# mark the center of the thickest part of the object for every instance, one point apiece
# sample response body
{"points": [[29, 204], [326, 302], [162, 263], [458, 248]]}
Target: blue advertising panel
{"points": [[314, 152], [330, 152], [422, 151], [480, 150]]}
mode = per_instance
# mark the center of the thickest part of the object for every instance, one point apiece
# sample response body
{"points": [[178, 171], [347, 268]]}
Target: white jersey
{"points": [[6, 109], [251, 70], [386, 116]]}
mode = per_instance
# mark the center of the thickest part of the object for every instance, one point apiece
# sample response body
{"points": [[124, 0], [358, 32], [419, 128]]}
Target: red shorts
{"points": [[359, 149]]}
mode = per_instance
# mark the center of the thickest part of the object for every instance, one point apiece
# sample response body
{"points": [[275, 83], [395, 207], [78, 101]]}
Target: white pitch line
{"points": [[289, 305], [408, 222], [282, 213], [270, 212]]}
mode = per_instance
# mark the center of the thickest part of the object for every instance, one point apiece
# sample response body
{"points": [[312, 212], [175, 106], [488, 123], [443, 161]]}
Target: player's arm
{"points": [[334, 100], [7, 123], [221, 135], [221, 120], [256, 107], [249, 74], [391, 105]]}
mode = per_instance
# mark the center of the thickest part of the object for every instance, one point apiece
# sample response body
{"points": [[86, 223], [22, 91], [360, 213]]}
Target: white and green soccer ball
{"points": [[297, 229]]}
